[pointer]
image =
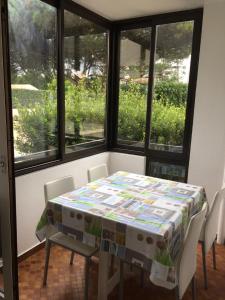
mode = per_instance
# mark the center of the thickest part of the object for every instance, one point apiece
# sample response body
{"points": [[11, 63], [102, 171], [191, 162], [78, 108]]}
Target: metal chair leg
{"points": [[121, 281], [177, 296], [204, 265], [86, 283], [47, 255], [142, 278], [72, 257], [214, 255], [193, 286]]}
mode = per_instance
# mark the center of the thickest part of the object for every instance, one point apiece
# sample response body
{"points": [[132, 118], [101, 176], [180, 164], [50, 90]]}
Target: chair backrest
{"points": [[58, 187], [188, 257], [97, 172], [212, 220]]}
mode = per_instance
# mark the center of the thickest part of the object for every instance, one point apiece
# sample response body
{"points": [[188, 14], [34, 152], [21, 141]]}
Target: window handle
{"points": [[2, 164]]}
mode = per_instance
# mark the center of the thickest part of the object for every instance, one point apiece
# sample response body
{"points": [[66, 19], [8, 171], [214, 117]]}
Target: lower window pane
{"points": [[171, 81], [85, 64], [133, 88], [167, 171], [32, 45]]}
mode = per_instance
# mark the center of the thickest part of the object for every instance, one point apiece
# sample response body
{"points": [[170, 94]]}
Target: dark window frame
{"points": [[112, 99], [156, 155]]}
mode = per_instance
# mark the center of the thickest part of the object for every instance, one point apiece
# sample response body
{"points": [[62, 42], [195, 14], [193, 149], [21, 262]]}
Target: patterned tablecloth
{"points": [[140, 219]]}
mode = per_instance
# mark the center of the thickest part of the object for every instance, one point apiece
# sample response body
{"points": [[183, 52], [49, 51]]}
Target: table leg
{"points": [[105, 283], [103, 275]]}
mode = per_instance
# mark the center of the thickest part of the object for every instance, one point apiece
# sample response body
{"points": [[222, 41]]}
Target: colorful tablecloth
{"points": [[138, 218]]}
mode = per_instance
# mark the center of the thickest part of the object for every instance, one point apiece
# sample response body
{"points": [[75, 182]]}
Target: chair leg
{"points": [[71, 258], [204, 265], [142, 278], [193, 286], [214, 255], [47, 255], [121, 281], [177, 296], [86, 283]]}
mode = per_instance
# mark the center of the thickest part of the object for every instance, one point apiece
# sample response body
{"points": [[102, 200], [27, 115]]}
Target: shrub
{"points": [[85, 102], [171, 92]]}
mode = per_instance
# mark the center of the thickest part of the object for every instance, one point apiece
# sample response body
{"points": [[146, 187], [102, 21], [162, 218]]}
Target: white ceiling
{"points": [[123, 9]]}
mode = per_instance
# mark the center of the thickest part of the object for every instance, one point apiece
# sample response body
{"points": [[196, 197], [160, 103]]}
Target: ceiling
{"points": [[123, 9]]}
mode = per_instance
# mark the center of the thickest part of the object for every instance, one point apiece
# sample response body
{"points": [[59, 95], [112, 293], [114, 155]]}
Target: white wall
{"points": [[30, 194], [208, 138]]}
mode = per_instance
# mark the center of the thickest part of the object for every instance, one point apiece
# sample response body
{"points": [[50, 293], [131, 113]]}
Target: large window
{"points": [[32, 43], [133, 90], [82, 84], [156, 90], [85, 65]]}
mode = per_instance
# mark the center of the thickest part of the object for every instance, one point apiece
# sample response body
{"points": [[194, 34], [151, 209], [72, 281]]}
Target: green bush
{"points": [[167, 120], [171, 92], [35, 125]]}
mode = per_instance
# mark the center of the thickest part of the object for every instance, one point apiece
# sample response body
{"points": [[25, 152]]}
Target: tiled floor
{"points": [[65, 282]]}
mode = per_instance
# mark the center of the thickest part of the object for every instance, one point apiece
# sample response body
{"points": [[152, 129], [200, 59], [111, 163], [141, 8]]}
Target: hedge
{"points": [[35, 124]]}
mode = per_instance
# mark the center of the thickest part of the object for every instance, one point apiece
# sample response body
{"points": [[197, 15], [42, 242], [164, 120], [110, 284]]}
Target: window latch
{"points": [[2, 164]]}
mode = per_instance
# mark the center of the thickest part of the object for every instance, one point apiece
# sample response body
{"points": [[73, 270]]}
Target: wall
{"points": [[30, 194], [208, 138]]}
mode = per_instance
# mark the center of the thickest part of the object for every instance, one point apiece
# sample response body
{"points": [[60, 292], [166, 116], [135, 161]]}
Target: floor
{"points": [[66, 282]]}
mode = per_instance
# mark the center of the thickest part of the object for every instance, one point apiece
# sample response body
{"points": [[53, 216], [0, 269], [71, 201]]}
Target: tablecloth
{"points": [[140, 219]]}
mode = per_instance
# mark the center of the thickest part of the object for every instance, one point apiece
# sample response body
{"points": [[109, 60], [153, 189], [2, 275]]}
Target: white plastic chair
{"points": [[53, 189], [209, 232], [100, 171], [187, 260]]}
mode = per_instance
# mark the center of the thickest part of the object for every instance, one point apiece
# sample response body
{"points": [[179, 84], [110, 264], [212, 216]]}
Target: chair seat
{"points": [[68, 242]]}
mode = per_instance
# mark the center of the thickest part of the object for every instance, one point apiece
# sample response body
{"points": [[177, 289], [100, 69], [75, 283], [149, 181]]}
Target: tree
{"points": [[32, 33]]}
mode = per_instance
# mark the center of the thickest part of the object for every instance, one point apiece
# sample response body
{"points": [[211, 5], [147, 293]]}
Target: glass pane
{"points": [[171, 79], [167, 171], [134, 76], [32, 37], [86, 53]]}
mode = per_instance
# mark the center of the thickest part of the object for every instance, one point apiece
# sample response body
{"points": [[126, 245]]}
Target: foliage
{"points": [[35, 125], [167, 122], [174, 41], [32, 42], [85, 102], [171, 92]]}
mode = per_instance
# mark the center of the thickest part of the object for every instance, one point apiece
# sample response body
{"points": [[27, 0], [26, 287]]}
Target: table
{"points": [[137, 218]]}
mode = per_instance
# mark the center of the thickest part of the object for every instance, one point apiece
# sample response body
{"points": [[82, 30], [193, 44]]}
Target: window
{"points": [[167, 171], [32, 43], [171, 79], [85, 65], [133, 85], [156, 90], [81, 84]]}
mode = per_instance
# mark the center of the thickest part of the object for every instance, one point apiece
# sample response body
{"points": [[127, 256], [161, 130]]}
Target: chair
{"points": [[186, 262], [98, 172], [209, 233], [53, 189]]}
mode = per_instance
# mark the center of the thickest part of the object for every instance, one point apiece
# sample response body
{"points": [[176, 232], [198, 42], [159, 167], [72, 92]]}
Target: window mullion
{"points": [[60, 83], [150, 87]]}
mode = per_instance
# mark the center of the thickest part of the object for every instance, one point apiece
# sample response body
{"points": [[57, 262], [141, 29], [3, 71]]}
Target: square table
{"points": [[137, 218]]}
